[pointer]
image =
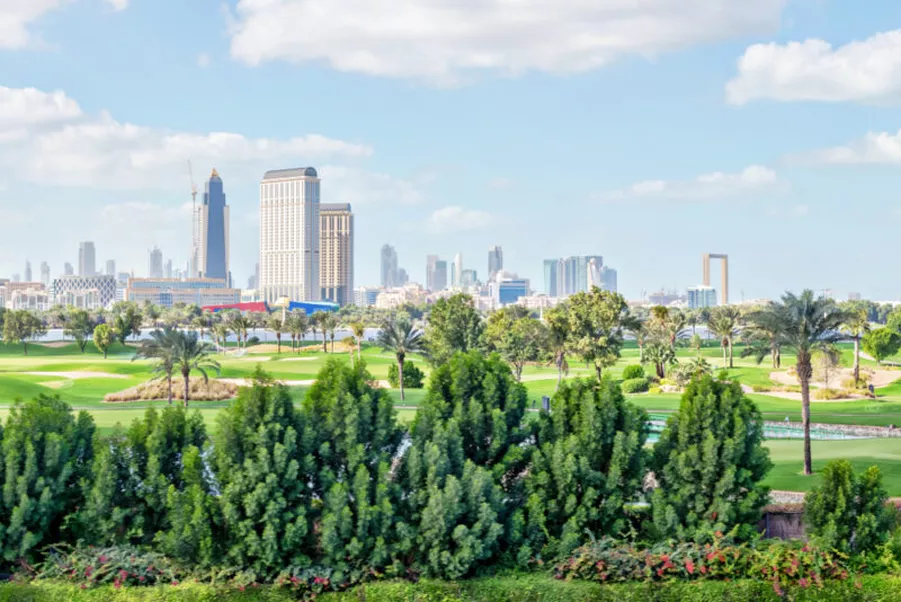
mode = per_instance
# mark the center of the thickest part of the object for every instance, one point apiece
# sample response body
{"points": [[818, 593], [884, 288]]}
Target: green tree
{"points": [[47, 452], [297, 325], [356, 440], [192, 355], [241, 325], [661, 355], [414, 378], [20, 326], [848, 513], [126, 500], [709, 463], [805, 324], [319, 321], [515, 336], [358, 329], [277, 326], [723, 322], [400, 337], [161, 349], [330, 323], [79, 326], [598, 321], [588, 462], [881, 343], [454, 326], [263, 465], [103, 338], [557, 340], [856, 326], [463, 467]]}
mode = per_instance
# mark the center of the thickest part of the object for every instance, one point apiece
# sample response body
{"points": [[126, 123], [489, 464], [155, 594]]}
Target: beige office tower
{"points": [[289, 235], [336, 253]]}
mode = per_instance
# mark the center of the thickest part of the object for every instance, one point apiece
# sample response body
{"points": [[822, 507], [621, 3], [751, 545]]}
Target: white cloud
{"points": [[445, 41], [862, 71], [456, 219], [118, 4], [66, 147], [17, 17], [203, 60], [712, 186], [874, 148], [352, 185], [500, 183]]}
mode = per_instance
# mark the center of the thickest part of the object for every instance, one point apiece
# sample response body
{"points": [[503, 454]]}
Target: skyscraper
{"points": [[289, 235], [439, 279], [550, 277], [495, 261], [45, 273], [457, 275], [28, 273], [68, 270], [86, 259], [430, 261], [608, 278], [336, 253], [389, 266], [155, 263], [110, 267], [213, 231], [167, 270]]}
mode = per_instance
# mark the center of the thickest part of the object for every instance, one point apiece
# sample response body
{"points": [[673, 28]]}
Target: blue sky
{"points": [[646, 131]]}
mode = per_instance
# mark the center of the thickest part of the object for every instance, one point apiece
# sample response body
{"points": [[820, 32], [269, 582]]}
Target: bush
{"points": [[761, 388], [414, 378], [654, 390], [828, 394], [633, 371], [847, 512], [201, 390], [635, 385], [116, 566]]}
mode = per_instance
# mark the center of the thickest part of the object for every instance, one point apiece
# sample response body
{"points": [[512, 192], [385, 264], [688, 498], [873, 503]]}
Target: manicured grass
{"points": [[787, 458]]}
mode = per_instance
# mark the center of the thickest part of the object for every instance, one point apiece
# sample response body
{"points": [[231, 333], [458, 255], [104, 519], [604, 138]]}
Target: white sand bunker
{"points": [[298, 359], [247, 382], [77, 375]]}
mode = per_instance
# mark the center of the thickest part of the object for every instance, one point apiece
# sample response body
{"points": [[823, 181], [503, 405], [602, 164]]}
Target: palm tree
{"points": [[763, 337], [660, 354], [220, 334], [805, 324], [724, 322], [193, 354], [401, 337], [856, 325], [330, 324], [558, 340], [298, 325], [276, 325], [358, 329], [318, 321], [240, 325], [160, 347], [201, 323]]}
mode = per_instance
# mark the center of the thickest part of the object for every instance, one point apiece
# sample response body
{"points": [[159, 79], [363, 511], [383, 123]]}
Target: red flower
{"points": [[710, 555], [690, 567], [660, 572], [116, 583], [174, 582], [703, 570], [141, 579], [719, 533], [103, 559], [713, 516], [803, 582]]}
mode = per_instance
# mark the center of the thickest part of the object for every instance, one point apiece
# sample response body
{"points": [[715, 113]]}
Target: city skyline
{"points": [[661, 148]]}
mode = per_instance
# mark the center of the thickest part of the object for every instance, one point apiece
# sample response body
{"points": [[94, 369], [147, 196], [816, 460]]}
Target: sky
{"points": [[645, 131]]}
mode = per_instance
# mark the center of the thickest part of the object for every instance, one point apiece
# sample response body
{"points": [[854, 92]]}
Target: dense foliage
{"points": [[414, 378]]}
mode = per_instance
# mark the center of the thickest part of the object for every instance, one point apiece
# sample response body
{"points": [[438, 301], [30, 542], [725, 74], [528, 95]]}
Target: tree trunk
{"points": [[104, 352], [25, 346], [661, 370], [597, 369], [640, 353], [559, 362], [324, 342], [278, 337], [804, 373], [400, 374], [517, 368], [856, 360], [169, 378], [187, 388], [359, 357], [725, 361], [730, 353]]}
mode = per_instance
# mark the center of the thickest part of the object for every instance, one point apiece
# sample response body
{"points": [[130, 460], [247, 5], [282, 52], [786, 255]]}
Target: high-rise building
{"points": [[28, 273], [439, 278], [155, 263], [402, 277], [389, 267], [289, 235], [17, 277], [45, 273], [608, 279], [87, 292], [68, 270], [701, 296], [550, 277], [430, 262], [212, 223], [468, 278], [86, 259], [168, 292], [336, 252], [571, 275], [168, 272], [110, 267], [457, 272], [495, 261]]}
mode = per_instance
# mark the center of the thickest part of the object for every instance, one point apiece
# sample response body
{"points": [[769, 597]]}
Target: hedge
{"points": [[529, 588]]}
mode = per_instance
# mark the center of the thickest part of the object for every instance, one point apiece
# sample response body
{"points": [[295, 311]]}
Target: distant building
{"points": [[336, 252], [665, 298], [110, 267], [412, 294], [366, 296], [23, 295], [538, 302], [402, 277], [457, 270], [86, 259], [511, 291], [167, 292], [86, 292], [68, 270], [853, 296], [431, 262], [17, 277], [155, 263], [495, 261], [608, 279], [289, 235], [212, 223], [468, 278], [167, 270], [701, 296], [439, 278], [389, 277], [45, 274], [28, 271]]}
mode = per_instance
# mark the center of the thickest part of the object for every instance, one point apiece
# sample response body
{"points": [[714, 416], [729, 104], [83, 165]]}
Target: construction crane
{"points": [[193, 220]]}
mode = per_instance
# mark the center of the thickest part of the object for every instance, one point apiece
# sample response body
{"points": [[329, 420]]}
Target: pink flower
{"points": [[803, 582], [690, 567], [103, 559]]}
